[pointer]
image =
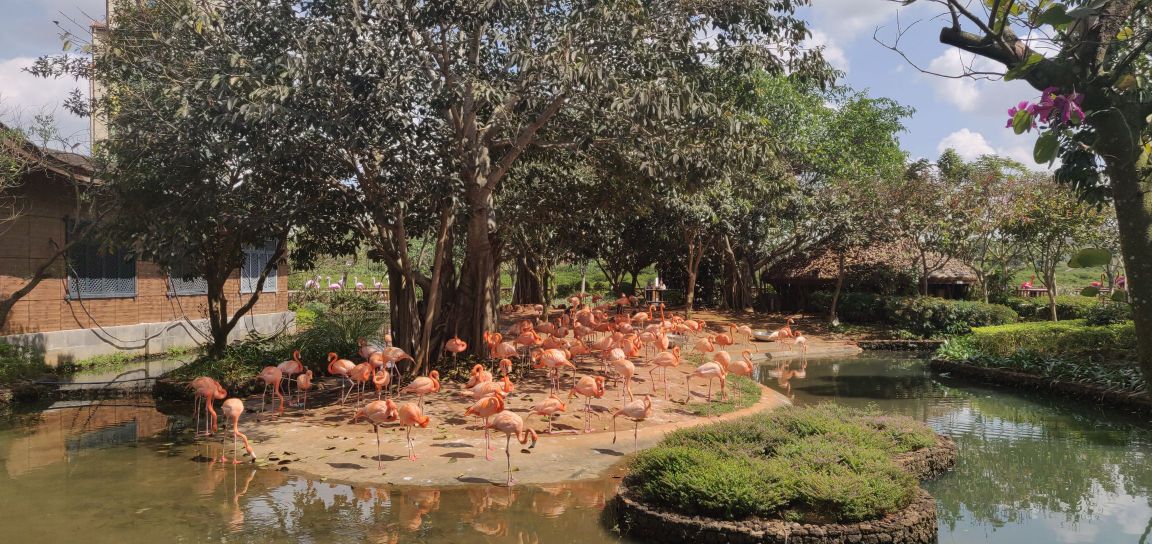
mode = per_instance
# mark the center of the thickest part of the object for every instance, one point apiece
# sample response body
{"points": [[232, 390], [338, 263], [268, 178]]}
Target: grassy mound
{"points": [[821, 463], [1067, 351]]}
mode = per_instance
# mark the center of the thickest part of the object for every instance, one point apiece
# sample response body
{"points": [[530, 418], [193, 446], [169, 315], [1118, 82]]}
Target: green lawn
{"points": [[1068, 280]]}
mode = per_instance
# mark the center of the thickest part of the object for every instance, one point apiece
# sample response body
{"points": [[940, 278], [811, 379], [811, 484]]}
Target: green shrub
{"points": [[1069, 307], [1026, 308], [933, 317], [826, 461], [1070, 351], [1108, 314], [20, 363]]}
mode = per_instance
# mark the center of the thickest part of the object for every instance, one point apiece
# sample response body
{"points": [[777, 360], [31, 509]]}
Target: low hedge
{"points": [[1071, 351], [821, 462], [927, 317], [1067, 307]]}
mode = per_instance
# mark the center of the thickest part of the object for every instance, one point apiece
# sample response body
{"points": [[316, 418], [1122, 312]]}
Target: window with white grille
{"points": [[255, 259], [96, 271]]}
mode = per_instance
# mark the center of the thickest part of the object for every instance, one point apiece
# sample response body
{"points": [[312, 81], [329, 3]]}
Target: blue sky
{"points": [[961, 113]]}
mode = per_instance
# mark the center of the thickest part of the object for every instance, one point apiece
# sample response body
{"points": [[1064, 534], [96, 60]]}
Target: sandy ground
{"points": [[322, 442]]}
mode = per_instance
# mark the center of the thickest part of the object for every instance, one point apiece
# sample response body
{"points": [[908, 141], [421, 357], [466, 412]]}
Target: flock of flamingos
{"points": [[550, 346]]}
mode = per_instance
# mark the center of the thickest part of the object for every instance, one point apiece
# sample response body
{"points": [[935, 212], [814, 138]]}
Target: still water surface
{"points": [[1030, 470]]}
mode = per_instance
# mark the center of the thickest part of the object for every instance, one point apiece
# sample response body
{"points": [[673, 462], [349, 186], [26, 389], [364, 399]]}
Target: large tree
{"points": [[197, 184], [1092, 62]]}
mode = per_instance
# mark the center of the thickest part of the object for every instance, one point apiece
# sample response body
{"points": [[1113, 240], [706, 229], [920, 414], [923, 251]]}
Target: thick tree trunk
{"points": [[1050, 282], [1133, 199], [478, 295], [738, 294], [531, 282], [218, 328], [404, 312]]}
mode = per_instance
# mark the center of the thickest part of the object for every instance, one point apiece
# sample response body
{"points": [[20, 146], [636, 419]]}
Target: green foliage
{"points": [[333, 330], [932, 317], [1067, 351], [926, 317], [823, 462], [1108, 314], [19, 363]]}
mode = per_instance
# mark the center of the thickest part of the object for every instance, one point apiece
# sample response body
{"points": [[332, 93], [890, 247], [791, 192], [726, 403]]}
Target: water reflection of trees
{"points": [[1019, 455]]}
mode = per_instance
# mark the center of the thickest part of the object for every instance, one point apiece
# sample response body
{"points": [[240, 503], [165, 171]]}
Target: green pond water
{"points": [[1030, 470]]}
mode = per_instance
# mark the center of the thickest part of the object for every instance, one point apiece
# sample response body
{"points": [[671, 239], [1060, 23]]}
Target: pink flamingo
{"points": [[477, 375], [588, 387], [802, 341], [381, 379], [271, 377], [511, 424], [712, 371], [548, 408], [665, 360], [410, 416], [378, 412], [360, 375], [455, 345], [340, 367], [291, 368], [624, 369], [637, 411], [232, 408], [742, 367], [304, 383], [486, 408], [208, 389], [423, 385], [366, 350]]}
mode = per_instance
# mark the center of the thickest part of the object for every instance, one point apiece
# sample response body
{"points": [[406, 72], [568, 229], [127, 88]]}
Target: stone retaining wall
{"points": [[999, 376], [915, 524], [900, 345]]}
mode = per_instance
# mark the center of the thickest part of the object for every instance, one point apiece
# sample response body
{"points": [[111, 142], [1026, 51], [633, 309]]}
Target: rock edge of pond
{"points": [[1009, 378], [915, 524]]}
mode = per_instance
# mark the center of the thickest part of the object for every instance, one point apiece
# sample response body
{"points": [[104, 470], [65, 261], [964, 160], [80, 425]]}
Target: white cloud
{"points": [[968, 144], [23, 96], [848, 19], [991, 97], [833, 53]]}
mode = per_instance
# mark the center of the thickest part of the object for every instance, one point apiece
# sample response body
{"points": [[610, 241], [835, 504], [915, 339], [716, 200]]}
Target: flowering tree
{"points": [[1092, 62]]}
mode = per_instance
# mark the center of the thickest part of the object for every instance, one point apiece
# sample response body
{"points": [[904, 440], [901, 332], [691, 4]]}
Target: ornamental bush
{"points": [[924, 316], [819, 462]]}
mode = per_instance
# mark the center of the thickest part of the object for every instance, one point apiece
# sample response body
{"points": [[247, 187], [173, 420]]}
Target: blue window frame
{"points": [[99, 272], [255, 259]]}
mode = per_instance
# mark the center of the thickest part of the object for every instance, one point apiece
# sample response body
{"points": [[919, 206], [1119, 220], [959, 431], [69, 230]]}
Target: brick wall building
{"points": [[94, 302]]}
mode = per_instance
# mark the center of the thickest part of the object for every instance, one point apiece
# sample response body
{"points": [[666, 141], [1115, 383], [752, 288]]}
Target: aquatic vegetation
{"points": [[823, 462]]}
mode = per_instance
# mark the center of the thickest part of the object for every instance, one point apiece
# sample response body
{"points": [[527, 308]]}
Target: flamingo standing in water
{"points": [[304, 383], [208, 389], [588, 387], [486, 408], [511, 424], [290, 369], [378, 412], [800, 340], [232, 408], [548, 407], [411, 415], [455, 345], [423, 385], [665, 360], [271, 377], [637, 411], [340, 367]]}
